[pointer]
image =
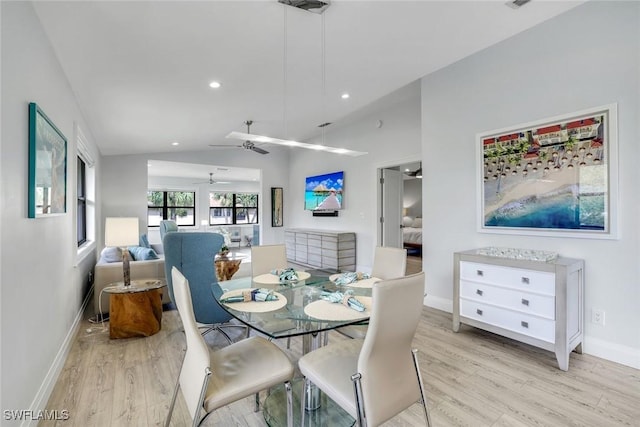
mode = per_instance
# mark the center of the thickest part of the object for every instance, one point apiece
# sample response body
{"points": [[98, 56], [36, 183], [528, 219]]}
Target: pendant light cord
{"points": [[284, 74], [324, 77]]}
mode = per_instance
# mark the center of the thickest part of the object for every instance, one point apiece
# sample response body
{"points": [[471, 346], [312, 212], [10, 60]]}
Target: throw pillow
{"points": [[140, 253], [417, 223], [144, 241], [407, 221], [111, 254]]}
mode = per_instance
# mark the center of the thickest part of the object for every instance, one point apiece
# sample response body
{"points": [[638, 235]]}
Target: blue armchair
{"points": [[167, 226], [193, 255]]}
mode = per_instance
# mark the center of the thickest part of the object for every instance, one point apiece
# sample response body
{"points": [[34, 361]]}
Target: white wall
{"points": [[124, 182], [585, 58], [390, 145], [42, 289]]}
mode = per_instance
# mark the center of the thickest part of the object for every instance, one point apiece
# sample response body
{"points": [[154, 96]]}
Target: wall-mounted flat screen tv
{"points": [[324, 192]]}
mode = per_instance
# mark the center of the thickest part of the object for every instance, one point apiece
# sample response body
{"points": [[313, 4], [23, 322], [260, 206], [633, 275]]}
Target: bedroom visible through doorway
{"points": [[400, 207]]}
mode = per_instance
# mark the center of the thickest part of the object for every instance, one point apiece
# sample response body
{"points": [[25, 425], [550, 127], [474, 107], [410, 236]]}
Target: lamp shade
{"points": [[121, 232]]}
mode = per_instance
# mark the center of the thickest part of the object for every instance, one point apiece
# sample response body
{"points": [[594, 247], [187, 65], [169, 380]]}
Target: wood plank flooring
{"points": [[473, 378]]}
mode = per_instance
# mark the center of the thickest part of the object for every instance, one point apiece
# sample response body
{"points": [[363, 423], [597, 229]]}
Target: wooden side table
{"points": [[227, 265], [135, 310]]}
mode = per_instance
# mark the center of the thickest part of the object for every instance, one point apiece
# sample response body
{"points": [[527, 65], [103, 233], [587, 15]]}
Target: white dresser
{"points": [[539, 303], [324, 249]]}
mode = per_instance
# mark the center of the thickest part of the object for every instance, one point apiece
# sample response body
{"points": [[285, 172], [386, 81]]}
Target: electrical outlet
{"points": [[597, 316]]}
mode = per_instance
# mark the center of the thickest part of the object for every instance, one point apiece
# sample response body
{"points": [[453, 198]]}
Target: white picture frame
{"points": [[554, 177]]}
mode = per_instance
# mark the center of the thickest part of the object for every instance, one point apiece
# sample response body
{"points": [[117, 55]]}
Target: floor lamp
{"points": [[122, 232]]}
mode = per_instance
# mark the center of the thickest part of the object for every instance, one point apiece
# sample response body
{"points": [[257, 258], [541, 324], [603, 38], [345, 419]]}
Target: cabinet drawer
{"points": [[536, 327], [330, 262], [515, 299], [314, 260], [314, 250], [301, 238], [315, 241], [540, 282]]}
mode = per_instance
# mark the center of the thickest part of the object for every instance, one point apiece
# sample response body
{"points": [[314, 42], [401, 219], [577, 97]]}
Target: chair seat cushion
{"points": [[245, 368], [331, 367]]}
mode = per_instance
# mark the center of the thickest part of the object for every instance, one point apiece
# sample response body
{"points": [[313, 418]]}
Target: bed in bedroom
{"points": [[412, 236]]}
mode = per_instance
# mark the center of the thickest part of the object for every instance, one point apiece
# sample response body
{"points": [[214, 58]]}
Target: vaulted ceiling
{"points": [[141, 69]]}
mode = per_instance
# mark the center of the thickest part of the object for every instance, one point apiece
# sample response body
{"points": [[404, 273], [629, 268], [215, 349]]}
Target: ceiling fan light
{"points": [[263, 139]]}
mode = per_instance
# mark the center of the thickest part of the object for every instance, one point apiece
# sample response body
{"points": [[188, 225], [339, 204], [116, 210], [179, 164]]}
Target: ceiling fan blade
{"points": [[290, 143], [259, 150]]}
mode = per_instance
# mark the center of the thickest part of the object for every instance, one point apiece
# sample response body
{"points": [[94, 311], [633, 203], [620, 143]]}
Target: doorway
{"points": [[400, 206]]}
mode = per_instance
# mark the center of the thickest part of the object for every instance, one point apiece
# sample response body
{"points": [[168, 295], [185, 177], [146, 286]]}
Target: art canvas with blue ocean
{"points": [[553, 176], [324, 192]]}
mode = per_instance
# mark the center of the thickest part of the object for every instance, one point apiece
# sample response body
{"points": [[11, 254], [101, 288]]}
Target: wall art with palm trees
{"points": [[551, 176]]}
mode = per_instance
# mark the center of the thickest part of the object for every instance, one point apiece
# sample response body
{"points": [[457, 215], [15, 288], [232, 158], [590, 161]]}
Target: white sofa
{"points": [[107, 273]]}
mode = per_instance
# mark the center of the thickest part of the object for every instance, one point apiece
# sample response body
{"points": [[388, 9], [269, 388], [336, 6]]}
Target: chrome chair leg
{"points": [[303, 401], [175, 391], [287, 387], [423, 398], [357, 390]]}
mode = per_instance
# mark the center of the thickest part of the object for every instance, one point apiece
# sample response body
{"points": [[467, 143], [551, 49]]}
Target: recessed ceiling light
{"points": [[214, 85], [345, 96], [175, 143]]}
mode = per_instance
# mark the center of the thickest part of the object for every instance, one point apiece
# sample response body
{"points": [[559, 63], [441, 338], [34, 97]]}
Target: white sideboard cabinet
{"points": [[536, 302], [323, 249]]}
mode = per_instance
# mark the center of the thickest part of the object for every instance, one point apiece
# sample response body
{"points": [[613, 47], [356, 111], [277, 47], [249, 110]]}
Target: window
{"points": [[233, 208], [179, 206], [82, 202]]}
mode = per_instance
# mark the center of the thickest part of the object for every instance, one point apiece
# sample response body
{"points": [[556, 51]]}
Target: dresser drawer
{"points": [[514, 299], [540, 282], [525, 324]]}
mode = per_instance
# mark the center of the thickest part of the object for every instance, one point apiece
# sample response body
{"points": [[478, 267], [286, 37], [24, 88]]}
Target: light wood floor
{"points": [[473, 378]]}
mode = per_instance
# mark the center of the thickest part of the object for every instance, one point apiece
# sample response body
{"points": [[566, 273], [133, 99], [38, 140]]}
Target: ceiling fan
{"points": [[250, 139], [416, 173], [211, 181], [247, 144]]}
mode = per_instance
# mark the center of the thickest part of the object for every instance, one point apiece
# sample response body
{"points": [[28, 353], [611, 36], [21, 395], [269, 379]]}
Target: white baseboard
{"points": [[439, 303], [49, 382], [622, 354]]}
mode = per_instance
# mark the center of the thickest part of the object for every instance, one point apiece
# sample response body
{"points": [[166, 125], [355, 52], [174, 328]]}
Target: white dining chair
{"points": [[376, 378], [212, 379], [265, 258], [388, 263]]}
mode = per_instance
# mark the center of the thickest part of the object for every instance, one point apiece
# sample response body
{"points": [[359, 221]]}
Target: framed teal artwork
{"points": [[47, 192]]}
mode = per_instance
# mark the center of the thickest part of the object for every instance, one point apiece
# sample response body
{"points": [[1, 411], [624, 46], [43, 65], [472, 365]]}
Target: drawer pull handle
{"points": [[524, 324], [525, 302], [480, 272], [525, 280], [479, 312], [479, 292]]}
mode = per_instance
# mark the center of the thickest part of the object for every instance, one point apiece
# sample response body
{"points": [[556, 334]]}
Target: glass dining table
{"points": [[298, 311]]}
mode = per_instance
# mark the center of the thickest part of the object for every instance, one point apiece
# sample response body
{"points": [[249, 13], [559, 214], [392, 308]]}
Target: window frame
{"points": [[164, 208], [81, 205], [234, 208]]}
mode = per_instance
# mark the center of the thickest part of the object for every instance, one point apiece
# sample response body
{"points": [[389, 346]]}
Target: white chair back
{"points": [[385, 360], [196, 360], [265, 258], [389, 263]]}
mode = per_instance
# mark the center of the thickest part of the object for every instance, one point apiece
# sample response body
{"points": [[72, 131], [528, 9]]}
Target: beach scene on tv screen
{"points": [[324, 192]]}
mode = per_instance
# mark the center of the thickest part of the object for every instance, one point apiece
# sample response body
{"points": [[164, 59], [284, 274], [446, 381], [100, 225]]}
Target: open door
{"points": [[391, 183]]}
